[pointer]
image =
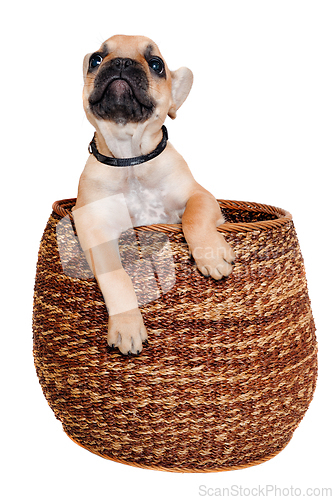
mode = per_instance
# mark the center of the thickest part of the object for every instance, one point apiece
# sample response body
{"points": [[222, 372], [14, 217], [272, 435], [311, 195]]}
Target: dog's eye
{"points": [[157, 65], [95, 60]]}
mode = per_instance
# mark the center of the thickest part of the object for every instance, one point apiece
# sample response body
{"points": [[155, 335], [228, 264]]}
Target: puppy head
{"points": [[127, 81]]}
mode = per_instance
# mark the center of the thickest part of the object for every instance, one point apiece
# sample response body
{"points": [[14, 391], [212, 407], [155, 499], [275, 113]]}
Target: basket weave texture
{"points": [[231, 365]]}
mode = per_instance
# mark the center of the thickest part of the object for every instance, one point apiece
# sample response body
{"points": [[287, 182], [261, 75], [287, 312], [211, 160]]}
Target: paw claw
{"points": [[126, 332], [216, 259]]}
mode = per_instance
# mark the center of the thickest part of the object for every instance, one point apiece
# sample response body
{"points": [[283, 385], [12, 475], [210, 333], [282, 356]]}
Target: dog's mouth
{"points": [[121, 94]]}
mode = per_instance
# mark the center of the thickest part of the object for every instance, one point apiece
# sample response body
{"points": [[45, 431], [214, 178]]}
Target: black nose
{"points": [[121, 63]]}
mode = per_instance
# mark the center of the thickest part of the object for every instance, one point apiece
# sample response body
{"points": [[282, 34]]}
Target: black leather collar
{"points": [[127, 162]]}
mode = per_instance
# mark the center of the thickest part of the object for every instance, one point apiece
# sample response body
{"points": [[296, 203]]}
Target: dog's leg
{"points": [[125, 329], [212, 254], [99, 225]]}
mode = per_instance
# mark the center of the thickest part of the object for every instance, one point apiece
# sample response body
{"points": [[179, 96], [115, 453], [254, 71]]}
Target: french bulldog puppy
{"points": [[135, 177]]}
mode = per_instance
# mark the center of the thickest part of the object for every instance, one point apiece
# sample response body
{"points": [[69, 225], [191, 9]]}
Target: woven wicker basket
{"points": [[231, 366]]}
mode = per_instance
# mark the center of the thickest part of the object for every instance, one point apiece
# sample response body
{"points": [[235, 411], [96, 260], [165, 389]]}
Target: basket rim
{"points": [[282, 217]]}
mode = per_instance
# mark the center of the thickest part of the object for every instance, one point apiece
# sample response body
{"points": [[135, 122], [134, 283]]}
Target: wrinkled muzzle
{"points": [[121, 92]]}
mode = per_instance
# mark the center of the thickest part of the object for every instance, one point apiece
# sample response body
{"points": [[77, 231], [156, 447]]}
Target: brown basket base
{"points": [[183, 469]]}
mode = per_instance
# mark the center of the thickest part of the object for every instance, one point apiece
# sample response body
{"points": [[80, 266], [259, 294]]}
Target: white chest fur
{"points": [[148, 203]]}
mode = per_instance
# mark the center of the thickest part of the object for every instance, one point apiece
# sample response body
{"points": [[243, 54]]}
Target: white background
{"points": [[257, 126]]}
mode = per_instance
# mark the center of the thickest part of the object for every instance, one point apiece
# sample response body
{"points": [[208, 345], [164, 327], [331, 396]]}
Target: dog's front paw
{"points": [[127, 332], [216, 258]]}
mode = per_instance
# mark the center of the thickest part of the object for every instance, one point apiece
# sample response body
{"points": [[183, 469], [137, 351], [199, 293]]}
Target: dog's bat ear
{"points": [[182, 80]]}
